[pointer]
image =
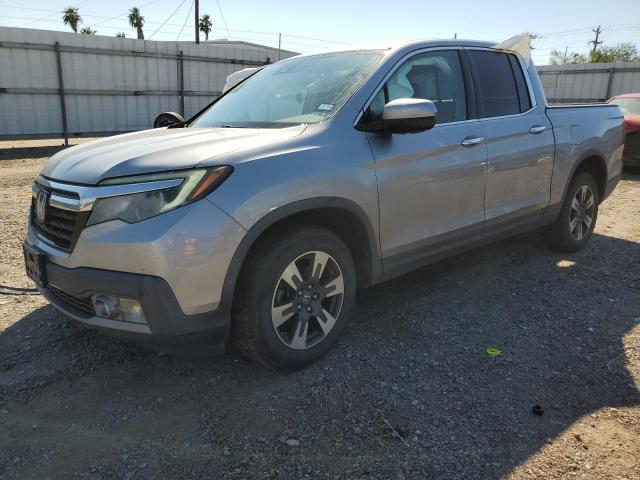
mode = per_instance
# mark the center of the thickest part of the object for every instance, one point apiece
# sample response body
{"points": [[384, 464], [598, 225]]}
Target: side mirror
{"points": [[408, 115], [167, 119], [404, 115]]}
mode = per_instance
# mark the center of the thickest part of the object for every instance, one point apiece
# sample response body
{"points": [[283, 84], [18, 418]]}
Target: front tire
{"points": [[574, 226], [295, 295]]}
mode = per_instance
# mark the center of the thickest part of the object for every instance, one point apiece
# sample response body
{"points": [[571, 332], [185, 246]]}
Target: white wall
{"points": [[589, 82], [29, 99]]}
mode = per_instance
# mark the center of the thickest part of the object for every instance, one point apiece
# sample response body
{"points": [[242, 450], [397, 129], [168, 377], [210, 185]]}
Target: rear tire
{"points": [[287, 328], [574, 226]]}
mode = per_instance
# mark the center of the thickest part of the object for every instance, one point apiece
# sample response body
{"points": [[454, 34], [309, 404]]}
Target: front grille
{"points": [[83, 304], [60, 227]]}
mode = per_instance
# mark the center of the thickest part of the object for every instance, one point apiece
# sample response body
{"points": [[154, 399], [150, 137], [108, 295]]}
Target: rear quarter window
{"points": [[521, 83]]}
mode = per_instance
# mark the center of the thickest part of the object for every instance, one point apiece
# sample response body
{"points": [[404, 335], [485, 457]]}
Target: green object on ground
{"points": [[493, 352]]}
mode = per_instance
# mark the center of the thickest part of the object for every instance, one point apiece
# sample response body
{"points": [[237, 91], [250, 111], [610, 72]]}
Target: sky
{"points": [[309, 27]]}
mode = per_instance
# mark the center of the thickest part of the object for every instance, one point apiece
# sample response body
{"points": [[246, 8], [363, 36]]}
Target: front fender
{"points": [[290, 210]]}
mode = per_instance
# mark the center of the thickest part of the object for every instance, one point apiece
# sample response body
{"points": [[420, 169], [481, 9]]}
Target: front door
{"points": [[431, 184]]}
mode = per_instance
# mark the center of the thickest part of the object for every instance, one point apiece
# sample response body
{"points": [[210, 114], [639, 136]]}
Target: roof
{"points": [[407, 46], [398, 45]]}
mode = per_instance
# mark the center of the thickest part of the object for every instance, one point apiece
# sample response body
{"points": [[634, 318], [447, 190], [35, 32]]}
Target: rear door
{"points": [[518, 136], [431, 184]]}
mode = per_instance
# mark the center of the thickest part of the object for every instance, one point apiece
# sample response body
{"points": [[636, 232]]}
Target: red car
{"points": [[630, 106]]}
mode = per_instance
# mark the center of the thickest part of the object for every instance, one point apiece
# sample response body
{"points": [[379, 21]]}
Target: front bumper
{"points": [[190, 248], [174, 265], [168, 328]]}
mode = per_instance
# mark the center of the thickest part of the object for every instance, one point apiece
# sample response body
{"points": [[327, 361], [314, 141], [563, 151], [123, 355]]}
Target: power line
{"points": [[618, 31], [223, 20], [49, 16], [168, 18], [319, 39], [618, 26], [186, 20], [105, 19], [565, 32], [542, 35], [93, 25], [117, 17]]}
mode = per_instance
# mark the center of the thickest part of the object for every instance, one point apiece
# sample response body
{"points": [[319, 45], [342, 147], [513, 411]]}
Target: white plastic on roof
{"points": [[520, 44]]}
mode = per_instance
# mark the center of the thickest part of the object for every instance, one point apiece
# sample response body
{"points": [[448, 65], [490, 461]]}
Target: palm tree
{"points": [[72, 18], [88, 31], [120, 35], [137, 21], [205, 26]]}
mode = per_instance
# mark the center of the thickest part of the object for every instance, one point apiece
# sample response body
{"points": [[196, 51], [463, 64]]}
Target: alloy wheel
{"points": [[307, 300], [582, 212]]}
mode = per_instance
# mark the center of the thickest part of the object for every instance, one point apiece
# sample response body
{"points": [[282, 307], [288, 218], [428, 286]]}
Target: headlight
{"points": [[139, 206]]}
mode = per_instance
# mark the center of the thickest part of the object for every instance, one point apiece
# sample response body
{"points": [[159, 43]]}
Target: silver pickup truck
{"points": [[258, 218]]}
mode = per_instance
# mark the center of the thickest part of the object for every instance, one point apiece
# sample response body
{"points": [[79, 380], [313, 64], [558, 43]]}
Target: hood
{"points": [[631, 124], [158, 150]]}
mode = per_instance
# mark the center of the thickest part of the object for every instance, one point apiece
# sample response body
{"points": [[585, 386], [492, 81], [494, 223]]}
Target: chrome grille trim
{"points": [[81, 198]]}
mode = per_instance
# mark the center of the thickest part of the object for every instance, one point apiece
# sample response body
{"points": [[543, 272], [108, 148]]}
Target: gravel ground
{"points": [[409, 392]]}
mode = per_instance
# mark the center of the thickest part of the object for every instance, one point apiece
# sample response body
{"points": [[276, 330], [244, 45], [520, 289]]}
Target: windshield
{"points": [[629, 106], [298, 90]]}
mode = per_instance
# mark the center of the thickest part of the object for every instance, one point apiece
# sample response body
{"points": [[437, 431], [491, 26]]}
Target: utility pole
{"points": [[279, 45], [595, 42], [197, 5]]}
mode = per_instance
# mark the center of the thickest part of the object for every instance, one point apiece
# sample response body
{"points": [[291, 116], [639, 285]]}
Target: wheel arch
{"points": [[343, 217], [593, 163]]}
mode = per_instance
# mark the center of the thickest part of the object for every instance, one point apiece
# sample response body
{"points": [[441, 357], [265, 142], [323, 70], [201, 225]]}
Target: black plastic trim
{"points": [[169, 327], [610, 187], [469, 86], [453, 243]]}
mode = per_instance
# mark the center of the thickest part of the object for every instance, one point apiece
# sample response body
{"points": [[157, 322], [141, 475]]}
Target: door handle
{"points": [[471, 141], [536, 129]]}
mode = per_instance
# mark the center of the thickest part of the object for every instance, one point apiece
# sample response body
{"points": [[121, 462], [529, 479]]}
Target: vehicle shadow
{"points": [[410, 390]]}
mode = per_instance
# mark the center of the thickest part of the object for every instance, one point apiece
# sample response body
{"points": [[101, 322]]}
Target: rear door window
{"points": [[500, 82]]}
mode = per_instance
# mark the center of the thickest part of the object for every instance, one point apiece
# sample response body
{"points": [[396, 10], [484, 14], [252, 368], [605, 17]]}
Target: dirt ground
{"points": [[409, 392]]}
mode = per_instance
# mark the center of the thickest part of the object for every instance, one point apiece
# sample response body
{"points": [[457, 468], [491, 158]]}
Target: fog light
{"points": [[106, 307], [117, 308], [131, 310]]}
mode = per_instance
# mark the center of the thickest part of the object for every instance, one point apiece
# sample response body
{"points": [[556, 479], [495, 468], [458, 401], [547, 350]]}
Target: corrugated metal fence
{"points": [[98, 84], [591, 82]]}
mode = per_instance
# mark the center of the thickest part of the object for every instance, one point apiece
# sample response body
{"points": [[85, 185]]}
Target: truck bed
{"points": [[581, 131]]}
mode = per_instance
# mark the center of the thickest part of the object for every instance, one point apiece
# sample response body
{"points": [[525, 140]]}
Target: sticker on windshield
{"points": [[325, 106]]}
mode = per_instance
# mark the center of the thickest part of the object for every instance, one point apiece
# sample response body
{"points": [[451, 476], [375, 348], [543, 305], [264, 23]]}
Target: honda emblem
{"points": [[42, 199]]}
